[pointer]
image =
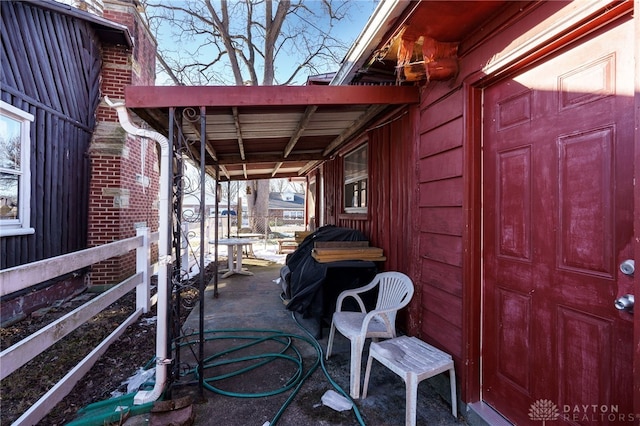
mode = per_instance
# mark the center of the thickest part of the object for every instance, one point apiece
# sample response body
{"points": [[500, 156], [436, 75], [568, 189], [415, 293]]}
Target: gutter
{"points": [[164, 256]]}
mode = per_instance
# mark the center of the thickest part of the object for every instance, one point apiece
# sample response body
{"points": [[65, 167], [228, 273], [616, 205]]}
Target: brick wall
{"points": [[125, 170]]}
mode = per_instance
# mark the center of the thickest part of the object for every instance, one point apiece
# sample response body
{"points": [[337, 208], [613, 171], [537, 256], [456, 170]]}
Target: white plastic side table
{"points": [[413, 360], [234, 245]]}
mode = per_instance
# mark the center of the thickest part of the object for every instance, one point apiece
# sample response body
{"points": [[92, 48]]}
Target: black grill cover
{"points": [[304, 278]]}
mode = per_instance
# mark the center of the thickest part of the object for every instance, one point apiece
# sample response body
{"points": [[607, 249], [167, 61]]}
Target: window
{"points": [[356, 175], [292, 214], [15, 182]]}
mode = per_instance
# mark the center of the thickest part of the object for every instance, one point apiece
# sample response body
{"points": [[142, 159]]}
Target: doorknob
{"points": [[628, 267], [625, 303]]}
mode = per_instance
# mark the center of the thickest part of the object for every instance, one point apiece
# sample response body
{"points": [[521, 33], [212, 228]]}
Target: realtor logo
{"points": [[543, 410]]}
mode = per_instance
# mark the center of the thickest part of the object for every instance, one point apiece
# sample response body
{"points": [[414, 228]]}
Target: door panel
{"points": [[586, 166], [558, 220]]}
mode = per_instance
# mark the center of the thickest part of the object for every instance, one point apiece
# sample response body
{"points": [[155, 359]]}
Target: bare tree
{"points": [[248, 42], [286, 185], [230, 42], [278, 185], [299, 187]]}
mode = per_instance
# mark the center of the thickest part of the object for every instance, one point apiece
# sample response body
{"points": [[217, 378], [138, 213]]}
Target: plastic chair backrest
{"points": [[395, 291]]}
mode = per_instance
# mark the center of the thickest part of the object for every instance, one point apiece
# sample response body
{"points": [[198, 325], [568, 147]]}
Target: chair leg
{"points": [[330, 341], [411, 400], [454, 396], [367, 372], [356, 361]]}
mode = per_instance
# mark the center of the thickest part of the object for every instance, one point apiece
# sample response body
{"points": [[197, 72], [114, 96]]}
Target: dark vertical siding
{"points": [[415, 211], [331, 176], [50, 67], [392, 189], [389, 223]]}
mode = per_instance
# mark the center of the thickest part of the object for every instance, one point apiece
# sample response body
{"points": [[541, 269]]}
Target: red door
{"points": [[558, 221]]}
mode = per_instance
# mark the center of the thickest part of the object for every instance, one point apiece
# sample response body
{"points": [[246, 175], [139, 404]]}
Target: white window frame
{"points": [[359, 178], [21, 225]]}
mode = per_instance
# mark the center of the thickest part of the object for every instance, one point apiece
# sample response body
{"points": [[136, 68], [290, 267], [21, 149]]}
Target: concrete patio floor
{"points": [[253, 302]]}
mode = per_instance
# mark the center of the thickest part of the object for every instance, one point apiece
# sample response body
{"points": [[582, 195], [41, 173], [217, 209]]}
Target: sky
{"points": [[346, 31]]}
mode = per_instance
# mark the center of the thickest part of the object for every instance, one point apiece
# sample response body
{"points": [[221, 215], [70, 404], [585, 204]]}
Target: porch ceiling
{"points": [[262, 132]]}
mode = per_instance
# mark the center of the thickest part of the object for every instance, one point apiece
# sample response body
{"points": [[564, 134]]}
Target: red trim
{"points": [[472, 244], [565, 36], [636, 144], [272, 96]]}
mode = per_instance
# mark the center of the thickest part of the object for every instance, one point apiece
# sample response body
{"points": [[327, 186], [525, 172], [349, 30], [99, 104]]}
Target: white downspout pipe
{"points": [[164, 255]]}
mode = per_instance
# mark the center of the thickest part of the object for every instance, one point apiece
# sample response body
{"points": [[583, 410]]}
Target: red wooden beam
{"points": [[230, 96]]}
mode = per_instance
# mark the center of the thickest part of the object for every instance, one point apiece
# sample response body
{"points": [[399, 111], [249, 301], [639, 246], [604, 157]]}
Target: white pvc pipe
{"points": [[164, 255]]}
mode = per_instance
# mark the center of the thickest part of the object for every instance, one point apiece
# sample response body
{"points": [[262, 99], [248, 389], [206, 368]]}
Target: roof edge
{"points": [[97, 21], [369, 39]]}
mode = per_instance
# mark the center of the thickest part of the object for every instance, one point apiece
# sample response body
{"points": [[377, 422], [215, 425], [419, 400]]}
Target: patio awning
{"points": [[263, 132]]}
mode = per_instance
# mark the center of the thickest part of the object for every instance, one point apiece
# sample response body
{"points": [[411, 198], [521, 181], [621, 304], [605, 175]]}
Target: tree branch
{"points": [[249, 38]]}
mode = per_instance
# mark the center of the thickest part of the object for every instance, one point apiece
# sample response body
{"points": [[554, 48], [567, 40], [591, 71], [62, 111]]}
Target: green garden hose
{"points": [[108, 411], [257, 337]]}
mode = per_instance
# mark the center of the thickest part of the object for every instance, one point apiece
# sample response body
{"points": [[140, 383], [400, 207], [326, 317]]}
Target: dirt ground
{"points": [[134, 348]]}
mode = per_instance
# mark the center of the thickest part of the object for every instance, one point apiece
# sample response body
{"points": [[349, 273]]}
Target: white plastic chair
{"points": [[395, 290]]}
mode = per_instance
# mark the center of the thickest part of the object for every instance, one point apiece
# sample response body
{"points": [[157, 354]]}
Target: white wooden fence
{"points": [[24, 276]]}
